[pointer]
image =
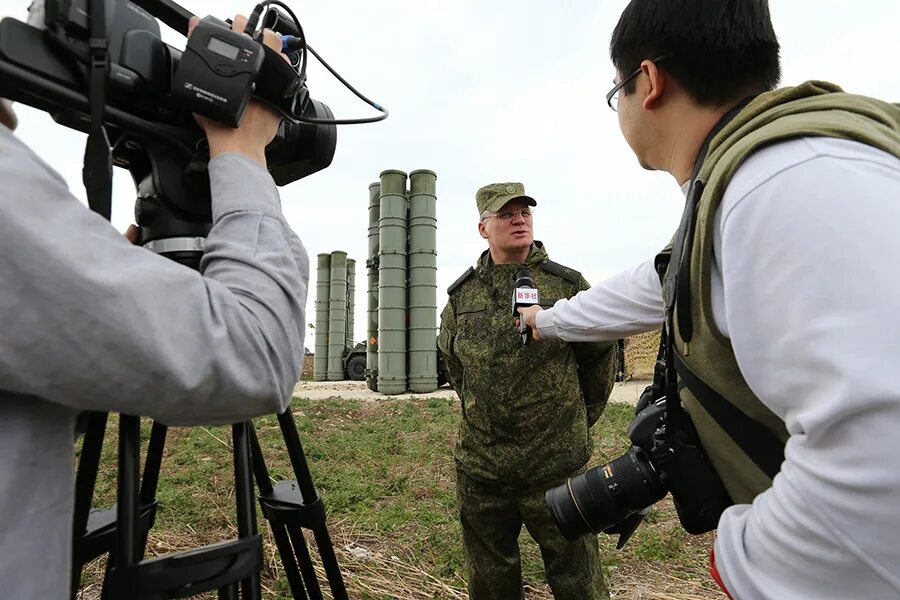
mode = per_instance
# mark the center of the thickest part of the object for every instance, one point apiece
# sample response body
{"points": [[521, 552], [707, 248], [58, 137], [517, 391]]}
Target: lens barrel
{"points": [[603, 496]]}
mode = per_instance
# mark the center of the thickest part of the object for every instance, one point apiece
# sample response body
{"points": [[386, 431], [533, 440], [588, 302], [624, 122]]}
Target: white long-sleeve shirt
{"points": [[806, 285], [90, 322]]}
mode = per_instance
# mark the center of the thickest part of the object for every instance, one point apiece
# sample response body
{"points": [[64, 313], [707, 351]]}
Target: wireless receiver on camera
{"points": [[524, 295], [217, 72]]}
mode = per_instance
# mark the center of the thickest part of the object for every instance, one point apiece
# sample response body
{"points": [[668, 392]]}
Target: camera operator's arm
{"points": [[92, 322], [625, 304]]}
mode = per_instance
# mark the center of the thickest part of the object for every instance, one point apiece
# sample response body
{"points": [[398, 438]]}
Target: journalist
{"points": [[780, 293], [91, 322]]}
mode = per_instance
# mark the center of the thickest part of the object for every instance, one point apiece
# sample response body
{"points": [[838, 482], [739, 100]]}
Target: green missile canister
{"points": [[372, 290], [337, 316], [392, 302], [422, 282], [323, 285], [351, 305]]}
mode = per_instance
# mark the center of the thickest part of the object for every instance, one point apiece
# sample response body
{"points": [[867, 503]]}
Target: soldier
{"points": [[526, 410]]}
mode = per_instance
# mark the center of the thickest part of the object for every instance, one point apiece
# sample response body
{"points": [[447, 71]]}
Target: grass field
{"points": [[385, 472]]}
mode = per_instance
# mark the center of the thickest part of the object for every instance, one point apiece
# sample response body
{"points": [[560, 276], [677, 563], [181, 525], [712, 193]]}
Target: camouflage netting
{"points": [[307, 366], [640, 355]]}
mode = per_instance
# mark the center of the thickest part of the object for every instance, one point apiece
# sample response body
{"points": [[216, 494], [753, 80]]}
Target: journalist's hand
{"points": [[528, 313], [259, 123]]}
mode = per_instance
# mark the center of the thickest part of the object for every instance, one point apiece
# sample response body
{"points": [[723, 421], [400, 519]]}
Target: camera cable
{"points": [[298, 44]]}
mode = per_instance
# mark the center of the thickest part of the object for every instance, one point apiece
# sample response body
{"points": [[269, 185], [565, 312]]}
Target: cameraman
{"points": [[792, 284], [91, 322]]}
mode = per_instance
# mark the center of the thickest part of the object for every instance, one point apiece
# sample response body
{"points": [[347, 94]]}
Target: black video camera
{"points": [[151, 89], [666, 456]]}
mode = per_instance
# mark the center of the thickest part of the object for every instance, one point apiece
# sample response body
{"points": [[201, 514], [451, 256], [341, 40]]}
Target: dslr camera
{"points": [[665, 456]]}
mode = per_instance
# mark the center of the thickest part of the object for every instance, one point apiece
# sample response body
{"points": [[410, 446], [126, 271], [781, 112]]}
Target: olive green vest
{"points": [[812, 109]]}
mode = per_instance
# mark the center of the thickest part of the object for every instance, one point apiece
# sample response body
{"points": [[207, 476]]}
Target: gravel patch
{"points": [[625, 391]]}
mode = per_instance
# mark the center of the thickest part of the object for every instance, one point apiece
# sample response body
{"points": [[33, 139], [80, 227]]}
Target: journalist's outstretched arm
{"points": [[625, 304]]}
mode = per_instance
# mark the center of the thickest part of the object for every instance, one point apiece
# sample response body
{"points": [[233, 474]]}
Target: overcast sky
{"points": [[498, 91]]}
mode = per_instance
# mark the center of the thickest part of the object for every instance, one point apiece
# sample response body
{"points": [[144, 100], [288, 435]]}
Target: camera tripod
{"points": [[231, 567], [289, 506]]}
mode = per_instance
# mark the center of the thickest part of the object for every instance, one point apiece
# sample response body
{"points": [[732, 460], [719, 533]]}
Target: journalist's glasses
{"points": [[612, 98], [508, 215]]}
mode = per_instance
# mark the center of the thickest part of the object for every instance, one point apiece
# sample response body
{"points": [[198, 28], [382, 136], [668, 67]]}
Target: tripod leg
{"points": [[124, 553], [85, 481], [303, 557], [127, 507], [310, 495], [147, 497], [246, 511], [279, 531], [150, 479]]}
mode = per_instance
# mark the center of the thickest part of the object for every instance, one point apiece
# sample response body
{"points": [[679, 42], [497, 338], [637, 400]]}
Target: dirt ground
{"points": [[626, 391]]}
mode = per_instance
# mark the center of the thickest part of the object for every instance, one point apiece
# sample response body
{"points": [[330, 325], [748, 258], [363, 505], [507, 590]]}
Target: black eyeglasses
{"points": [[507, 216], [612, 98]]}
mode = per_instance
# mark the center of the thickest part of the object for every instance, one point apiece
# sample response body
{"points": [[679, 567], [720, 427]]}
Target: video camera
{"points": [[146, 92]]}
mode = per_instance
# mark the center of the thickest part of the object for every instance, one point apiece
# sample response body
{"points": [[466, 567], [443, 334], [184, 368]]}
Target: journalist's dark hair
{"points": [[718, 50]]}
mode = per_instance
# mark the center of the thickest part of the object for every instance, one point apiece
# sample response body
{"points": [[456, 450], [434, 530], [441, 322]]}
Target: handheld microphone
{"points": [[525, 294]]}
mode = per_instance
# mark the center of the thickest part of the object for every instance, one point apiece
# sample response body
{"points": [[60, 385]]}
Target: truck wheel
{"points": [[356, 368]]}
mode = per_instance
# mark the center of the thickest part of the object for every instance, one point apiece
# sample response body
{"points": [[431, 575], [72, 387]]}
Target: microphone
{"points": [[525, 294]]}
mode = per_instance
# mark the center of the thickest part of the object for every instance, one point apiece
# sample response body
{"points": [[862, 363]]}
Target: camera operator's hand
{"points": [[258, 125], [528, 313]]}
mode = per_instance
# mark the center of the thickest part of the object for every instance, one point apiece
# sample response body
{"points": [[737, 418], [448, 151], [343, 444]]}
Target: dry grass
{"points": [[386, 475]]}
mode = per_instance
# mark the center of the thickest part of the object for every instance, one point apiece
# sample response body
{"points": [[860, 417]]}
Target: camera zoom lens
{"points": [[603, 496]]}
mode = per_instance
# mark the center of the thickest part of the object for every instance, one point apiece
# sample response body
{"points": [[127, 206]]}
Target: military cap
{"points": [[493, 196]]}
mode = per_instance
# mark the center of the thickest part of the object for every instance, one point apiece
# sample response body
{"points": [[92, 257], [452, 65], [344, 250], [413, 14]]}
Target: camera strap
{"points": [[757, 442], [675, 272], [676, 279], [97, 171]]}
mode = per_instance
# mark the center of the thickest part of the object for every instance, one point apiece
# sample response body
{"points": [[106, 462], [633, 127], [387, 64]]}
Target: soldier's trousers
{"points": [[492, 518]]}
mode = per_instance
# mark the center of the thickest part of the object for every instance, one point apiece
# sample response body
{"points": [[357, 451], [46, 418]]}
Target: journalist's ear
{"points": [[7, 114]]}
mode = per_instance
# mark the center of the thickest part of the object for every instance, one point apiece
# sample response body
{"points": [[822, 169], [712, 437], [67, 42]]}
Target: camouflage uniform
{"points": [[524, 428]]}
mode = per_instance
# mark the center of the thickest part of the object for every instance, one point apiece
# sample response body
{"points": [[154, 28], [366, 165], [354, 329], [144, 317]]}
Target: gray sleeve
{"points": [[93, 323]]}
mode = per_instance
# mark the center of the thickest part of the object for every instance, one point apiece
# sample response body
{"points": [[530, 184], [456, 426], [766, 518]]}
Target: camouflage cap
{"points": [[493, 196]]}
